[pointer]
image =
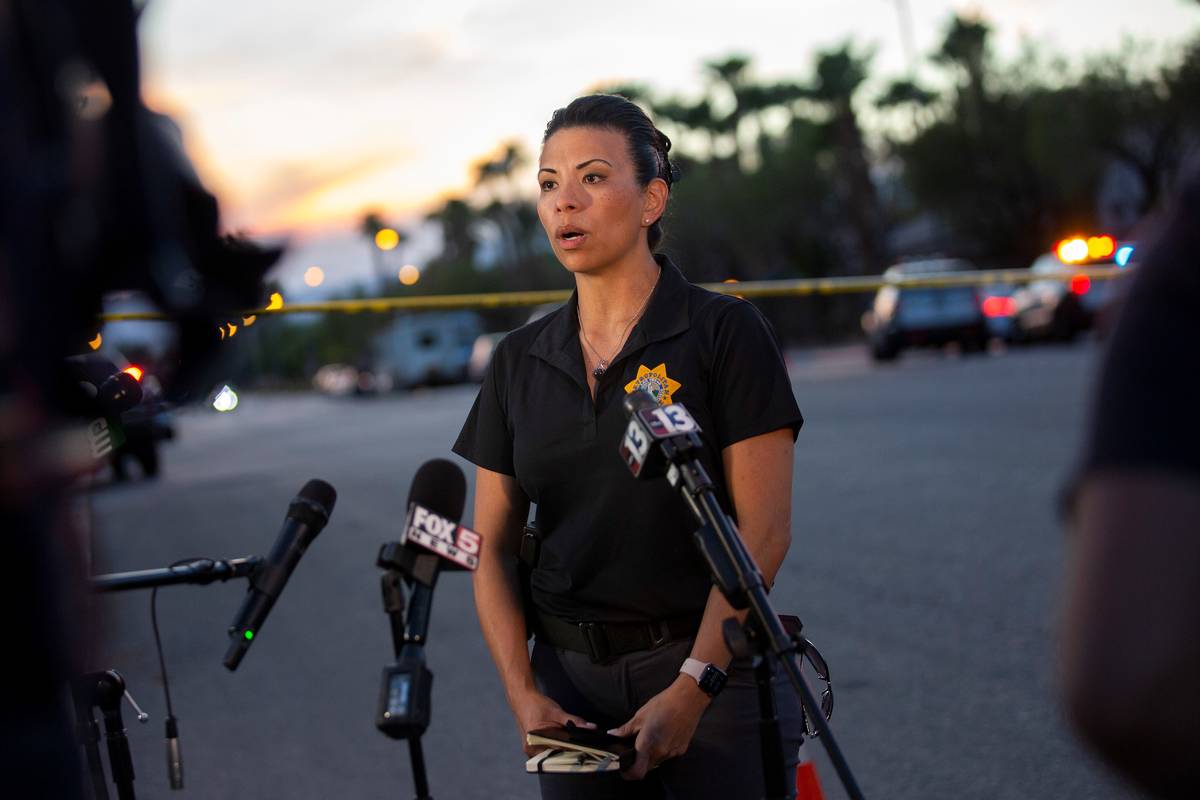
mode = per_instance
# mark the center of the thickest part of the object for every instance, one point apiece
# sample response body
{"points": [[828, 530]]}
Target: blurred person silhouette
{"points": [[1131, 656], [95, 196]]}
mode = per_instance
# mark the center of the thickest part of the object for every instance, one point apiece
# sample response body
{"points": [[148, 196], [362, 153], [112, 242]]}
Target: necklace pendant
{"points": [[599, 370]]}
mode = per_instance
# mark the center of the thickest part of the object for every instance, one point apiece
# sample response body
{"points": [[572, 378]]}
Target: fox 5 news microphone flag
{"points": [[445, 537]]}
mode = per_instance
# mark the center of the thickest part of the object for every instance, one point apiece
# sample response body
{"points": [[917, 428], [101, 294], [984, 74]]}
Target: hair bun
{"points": [[670, 170]]}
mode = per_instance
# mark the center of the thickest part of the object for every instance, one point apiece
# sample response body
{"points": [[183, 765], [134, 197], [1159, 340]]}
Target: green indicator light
{"points": [[249, 635]]}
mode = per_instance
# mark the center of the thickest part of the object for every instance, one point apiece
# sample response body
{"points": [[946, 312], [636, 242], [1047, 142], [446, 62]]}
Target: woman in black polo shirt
{"points": [[627, 623]]}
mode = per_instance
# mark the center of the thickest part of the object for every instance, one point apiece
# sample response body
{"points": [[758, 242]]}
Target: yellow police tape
{"points": [[799, 287]]}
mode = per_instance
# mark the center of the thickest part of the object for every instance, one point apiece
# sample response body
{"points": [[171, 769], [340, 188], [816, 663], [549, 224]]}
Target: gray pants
{"points": [[724, 760]]}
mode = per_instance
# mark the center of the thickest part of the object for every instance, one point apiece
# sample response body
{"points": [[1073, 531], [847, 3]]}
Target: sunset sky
{"points": [[302, 115]]}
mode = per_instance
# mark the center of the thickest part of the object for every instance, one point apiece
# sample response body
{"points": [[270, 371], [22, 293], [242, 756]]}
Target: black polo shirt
{"points": [[614, 548]]}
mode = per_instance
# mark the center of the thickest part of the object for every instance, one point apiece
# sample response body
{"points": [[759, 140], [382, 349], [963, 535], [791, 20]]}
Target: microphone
{"points": [[107, 389], [435, 503], [638, 401], [657, 437], [108, 393], [666, 440], [306, 516], [440, 487], [432, 533], [432, 540], [118, 394]]}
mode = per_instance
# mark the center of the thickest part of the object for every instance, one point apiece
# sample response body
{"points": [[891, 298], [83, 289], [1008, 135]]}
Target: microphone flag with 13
{"points": [[650, 423]]}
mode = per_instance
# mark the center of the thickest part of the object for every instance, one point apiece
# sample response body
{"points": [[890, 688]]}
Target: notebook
{"points": [[579, 750]]}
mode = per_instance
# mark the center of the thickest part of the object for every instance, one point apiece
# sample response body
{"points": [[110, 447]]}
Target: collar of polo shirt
{"points": [[665, 316]]}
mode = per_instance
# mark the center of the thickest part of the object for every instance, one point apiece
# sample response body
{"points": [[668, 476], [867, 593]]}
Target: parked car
{"points": [[999, 309], [481, 354], [912, 317], [425, 349], [485, 344], [343, 380], [1057, 310]]}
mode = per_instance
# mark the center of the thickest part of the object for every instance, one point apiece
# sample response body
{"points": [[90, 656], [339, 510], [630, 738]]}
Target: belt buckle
{"points": [[597, 641], [660, 634]]}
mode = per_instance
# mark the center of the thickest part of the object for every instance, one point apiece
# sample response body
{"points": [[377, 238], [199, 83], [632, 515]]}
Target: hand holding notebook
{"points": [[572, 749]]}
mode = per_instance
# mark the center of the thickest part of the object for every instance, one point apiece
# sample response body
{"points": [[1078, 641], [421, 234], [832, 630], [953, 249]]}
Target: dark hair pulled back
{"points": [[648, 146]]}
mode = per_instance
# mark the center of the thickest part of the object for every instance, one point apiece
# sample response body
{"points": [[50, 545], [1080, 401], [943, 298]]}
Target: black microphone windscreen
{"points": [[439, 486], [636, 401], [319, 493], [120, 393]]}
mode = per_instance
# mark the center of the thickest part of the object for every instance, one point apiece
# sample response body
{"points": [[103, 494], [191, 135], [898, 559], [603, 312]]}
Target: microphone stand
{"points": [[105, 689], [402, 566], [199, 571], [740, 581]]}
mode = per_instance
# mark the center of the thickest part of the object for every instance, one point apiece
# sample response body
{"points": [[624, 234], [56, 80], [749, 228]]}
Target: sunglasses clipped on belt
{"points": [[806, 650], [809, 652]]}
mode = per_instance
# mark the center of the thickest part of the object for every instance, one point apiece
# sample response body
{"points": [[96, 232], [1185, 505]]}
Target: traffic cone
{"points": [[807, 785]]}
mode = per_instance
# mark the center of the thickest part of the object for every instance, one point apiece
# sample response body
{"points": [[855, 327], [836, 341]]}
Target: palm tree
{"points": [[500, 171], [694, 117], [730, 74], [457, 219], [965, 47], [633, 92], [372, 223], [839, 74], [907, 94]]}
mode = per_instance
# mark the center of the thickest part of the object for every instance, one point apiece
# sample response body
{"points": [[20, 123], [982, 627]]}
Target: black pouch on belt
{"points": [[527, 561]]}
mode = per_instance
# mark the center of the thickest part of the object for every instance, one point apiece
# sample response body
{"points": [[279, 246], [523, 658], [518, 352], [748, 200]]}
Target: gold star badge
{"points": [[655, 381]]}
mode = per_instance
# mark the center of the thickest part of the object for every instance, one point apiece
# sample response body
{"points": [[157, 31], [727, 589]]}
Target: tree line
{"points": [[981, 157], [987, 158]]}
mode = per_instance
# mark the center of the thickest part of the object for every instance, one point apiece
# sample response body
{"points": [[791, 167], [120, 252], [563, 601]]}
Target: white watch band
{"points": [[694, 667]]}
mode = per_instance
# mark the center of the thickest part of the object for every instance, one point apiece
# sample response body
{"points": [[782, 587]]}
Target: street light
{"points": [[314, 276], [387, 239]]}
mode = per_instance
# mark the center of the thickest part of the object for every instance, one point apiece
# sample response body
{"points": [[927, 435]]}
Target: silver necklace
{"points": [[603, 363]]}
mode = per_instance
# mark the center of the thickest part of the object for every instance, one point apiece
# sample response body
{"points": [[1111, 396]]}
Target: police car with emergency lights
{"points": [[1060, 310]]}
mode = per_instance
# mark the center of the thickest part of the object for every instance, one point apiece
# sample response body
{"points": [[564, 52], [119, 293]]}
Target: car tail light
{"points": [[1080, 284], [999, 307]]}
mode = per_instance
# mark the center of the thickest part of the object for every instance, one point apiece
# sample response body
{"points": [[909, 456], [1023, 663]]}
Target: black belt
{"points": [[605, 640]]}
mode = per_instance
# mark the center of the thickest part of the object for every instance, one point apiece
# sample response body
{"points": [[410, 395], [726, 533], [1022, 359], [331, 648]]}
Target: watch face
{"points": [[712, 681]]}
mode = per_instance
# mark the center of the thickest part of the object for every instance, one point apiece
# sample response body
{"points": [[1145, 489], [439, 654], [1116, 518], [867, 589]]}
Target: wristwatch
{"points": [[709, 678]]}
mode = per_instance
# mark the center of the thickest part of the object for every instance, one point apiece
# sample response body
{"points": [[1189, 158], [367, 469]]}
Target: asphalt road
{"points": [[926, 564]]}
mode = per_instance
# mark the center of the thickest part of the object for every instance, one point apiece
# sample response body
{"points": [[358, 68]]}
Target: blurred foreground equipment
{"points": [[1132, 623], [96, 196]]}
